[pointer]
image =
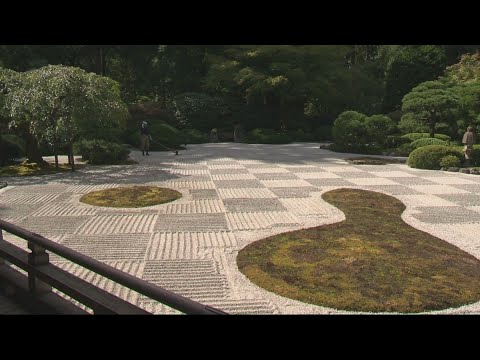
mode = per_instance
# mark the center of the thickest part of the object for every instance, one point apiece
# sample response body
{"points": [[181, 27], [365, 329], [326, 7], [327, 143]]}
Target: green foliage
{"points": [[59, 104], [378, 128], [266, 136], [394, 141], [408, 66], [197, 110], [11, 147], [194, 136], [450, 161], [349, 130], [466, 70], [101, 152], [411, 123], [353, 131], [431, 102], [415, 136], [427, 141], [323, 132], [428, 157], [300, 135]]}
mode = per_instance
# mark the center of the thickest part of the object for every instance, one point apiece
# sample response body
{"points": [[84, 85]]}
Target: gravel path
{"points": [[233, 194]]}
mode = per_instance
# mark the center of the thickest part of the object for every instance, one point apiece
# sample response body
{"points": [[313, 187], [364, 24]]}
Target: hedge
{"points": [[429, 157]]}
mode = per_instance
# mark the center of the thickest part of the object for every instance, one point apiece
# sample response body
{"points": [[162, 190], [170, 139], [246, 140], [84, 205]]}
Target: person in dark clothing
{"points": [[145, 138]]}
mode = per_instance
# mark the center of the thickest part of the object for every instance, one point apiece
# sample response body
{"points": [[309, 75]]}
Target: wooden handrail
{"points": [[141, 286]]}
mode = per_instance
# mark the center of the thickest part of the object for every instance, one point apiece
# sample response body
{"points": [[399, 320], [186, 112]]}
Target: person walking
{"points": [[145, 138], [468, 140]]}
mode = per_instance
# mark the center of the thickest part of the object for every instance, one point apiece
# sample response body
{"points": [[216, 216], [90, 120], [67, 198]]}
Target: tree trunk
{"points": [[70, 151], [32, 150]]}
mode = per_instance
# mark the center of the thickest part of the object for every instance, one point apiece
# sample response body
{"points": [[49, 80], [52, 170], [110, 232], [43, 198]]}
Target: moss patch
{"points": [[362, 264], [131, 197], [373, 161], [30, 169]]}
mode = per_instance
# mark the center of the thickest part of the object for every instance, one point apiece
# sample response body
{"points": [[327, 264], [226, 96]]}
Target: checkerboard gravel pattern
{"points": [[233, 194]]}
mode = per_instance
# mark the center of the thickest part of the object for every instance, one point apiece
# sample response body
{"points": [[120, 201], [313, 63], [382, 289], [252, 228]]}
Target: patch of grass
{"points": [[363, 264], [131, 197], [373, 161], [30, 169]]}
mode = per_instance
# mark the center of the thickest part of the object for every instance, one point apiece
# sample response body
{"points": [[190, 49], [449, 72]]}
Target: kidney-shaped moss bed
{"points": [[372, 261], [131, 197]]}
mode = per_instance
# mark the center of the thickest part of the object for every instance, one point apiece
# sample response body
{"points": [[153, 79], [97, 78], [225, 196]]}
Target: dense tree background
{"points": [[289, 88]]}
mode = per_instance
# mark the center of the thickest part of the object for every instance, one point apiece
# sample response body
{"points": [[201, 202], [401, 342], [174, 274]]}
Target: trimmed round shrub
{"points": [[379, 127], [427, 141], [349, 130], [415, 136], [450, 161], [428, 157], [101, 152]]}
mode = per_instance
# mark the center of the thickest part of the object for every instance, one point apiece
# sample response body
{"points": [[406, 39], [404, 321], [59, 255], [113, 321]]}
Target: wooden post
{"points": [[37, 257]]}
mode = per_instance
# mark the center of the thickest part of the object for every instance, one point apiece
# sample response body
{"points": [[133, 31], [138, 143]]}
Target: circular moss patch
{"points": [[363, 263], [131, 197]]}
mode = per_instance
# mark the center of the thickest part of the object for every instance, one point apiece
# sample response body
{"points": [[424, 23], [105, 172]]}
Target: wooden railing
{"points": [[43, 275]]}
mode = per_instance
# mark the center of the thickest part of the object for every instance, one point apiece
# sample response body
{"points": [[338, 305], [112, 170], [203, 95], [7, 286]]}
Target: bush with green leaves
{"points": [[353, 131], [427, 141], [198, 110], [378, 128], [450, 161], [266, 136], [349, 130], [301, 135], [11, 147], [415, 136], [101, 152], [395, 141], [194, 136], [428, 157]]}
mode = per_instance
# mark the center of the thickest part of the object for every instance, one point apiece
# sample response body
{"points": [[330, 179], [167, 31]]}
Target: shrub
{"points": [[11, 147], [301, 135], [450, 161], [101, 152], [266, 136], [323, 132], [409, 123], [378, 128], [415, 136], [194, 136], [349, 130], [427, 141], [353, 131], [395, 141], [428, 157]]}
